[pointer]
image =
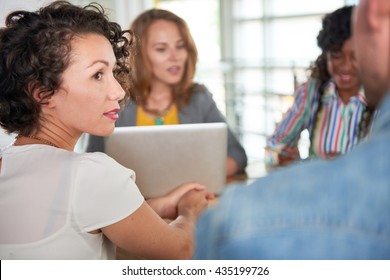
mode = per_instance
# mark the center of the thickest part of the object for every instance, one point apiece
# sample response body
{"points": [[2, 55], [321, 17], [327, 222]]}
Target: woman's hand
{"points": [[144, 234], [288, 155], [332, 155], [193, 203], [167, 206]]}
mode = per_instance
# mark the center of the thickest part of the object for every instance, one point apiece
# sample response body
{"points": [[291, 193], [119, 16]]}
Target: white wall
{"points": [[125, 10], [7, 6]]}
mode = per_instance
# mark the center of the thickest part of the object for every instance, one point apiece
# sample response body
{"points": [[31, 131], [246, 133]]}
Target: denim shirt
{"points": [[323, 209]]}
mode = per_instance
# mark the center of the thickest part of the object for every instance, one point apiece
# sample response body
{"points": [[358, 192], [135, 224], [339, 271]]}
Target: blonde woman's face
{"points": [[166, 52]]}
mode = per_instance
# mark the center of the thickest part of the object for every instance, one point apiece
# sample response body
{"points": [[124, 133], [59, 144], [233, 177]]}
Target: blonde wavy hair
{"points": [[143, 71]]}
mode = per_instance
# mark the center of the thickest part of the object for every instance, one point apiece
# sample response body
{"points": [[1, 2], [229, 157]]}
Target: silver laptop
{"points": [[165, 156]]}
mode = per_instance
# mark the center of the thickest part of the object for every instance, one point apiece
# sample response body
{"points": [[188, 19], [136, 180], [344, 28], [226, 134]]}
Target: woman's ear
{"points": [[41, 95]]}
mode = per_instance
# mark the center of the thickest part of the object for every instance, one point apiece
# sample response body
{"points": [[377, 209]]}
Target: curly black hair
{"points": [[35, 50], [336, 29]]}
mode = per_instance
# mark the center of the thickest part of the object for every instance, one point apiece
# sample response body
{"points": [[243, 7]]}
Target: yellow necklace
{"points": [[158, 114]]}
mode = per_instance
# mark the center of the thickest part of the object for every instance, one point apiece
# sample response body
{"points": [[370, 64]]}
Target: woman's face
{"points": [[342, 68], [87, 100], [166, 51]]}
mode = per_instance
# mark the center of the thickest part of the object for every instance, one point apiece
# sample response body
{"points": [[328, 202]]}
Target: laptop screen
{"points": [[163, 157]]}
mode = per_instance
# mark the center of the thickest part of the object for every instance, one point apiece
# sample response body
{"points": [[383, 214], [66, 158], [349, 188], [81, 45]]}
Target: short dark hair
{"points": [[35, 50]]}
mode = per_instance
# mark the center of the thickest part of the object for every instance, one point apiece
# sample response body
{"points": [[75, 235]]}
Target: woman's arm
{"points": [[231, 166], [167, 206], [294, 121], [145, 234], [285, 138]]}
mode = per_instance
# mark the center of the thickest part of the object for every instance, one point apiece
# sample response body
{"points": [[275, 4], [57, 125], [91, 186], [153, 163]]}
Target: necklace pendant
{"points": [[159, 121]]}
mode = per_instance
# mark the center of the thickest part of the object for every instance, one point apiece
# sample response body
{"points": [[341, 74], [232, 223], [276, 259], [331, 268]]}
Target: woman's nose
{"points": [[117, 92], [348, 62], [173, 55]]}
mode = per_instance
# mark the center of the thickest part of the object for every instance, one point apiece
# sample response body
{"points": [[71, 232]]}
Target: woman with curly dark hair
{"points": [[331, 104], [165, 91], [63, 72]]}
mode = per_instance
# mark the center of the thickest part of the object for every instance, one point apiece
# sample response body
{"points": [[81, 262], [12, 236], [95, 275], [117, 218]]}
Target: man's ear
{"points": [[377, 11]]}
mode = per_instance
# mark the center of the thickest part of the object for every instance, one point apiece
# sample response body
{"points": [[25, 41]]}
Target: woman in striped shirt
{"points": [[331, 105]]}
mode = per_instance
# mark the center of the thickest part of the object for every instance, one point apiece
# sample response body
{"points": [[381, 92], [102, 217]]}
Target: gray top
{"points": [[200, 109]]}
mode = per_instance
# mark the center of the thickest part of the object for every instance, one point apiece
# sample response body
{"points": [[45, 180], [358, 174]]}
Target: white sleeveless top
{"points": [[51, 198]]}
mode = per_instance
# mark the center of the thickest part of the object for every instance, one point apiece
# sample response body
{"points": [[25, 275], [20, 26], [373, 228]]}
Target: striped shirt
{"points": [[334, 129]]}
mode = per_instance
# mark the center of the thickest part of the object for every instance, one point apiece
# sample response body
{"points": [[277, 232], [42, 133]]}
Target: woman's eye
{"points": [[335, 55], [98, 75]]}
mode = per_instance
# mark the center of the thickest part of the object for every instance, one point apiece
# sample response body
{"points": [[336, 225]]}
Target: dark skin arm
{"points": [[288, 155]]}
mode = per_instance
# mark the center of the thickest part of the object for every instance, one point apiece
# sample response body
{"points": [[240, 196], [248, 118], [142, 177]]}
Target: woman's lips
{"points": [[345, 78], [174, 70], [113, 114]]}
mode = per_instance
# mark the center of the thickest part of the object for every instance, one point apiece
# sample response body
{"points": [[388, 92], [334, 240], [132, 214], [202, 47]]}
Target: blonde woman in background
{"points": [[165, 92]]}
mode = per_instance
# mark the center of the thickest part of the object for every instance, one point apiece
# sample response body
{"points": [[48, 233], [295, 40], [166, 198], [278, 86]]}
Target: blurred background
{"points": [[252, 54]]}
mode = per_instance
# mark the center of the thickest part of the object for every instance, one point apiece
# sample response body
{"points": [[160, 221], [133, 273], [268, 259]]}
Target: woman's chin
{"points": [[105, 132]]}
